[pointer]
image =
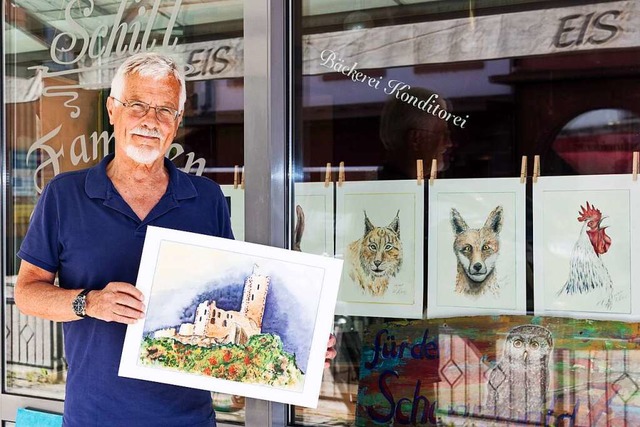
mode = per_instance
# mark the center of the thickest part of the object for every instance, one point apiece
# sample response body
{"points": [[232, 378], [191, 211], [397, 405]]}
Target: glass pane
{"points": [[474, 86], [599, 141], [60, 59]]}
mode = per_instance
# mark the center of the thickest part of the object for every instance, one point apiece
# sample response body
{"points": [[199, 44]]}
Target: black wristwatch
{"points": [[79, 303]]}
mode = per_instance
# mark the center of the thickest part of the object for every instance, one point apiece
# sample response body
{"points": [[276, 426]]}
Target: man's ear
{"points": [[414, 142], [110, 109], [179, 120]]}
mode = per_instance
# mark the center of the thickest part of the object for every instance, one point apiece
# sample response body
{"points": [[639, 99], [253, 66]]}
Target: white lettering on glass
{"points": [[68, 41], [79, 151], [394, 87]]}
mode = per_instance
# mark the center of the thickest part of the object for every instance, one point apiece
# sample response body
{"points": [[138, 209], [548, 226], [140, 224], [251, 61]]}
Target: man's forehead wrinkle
{"points": [[134, 91]]}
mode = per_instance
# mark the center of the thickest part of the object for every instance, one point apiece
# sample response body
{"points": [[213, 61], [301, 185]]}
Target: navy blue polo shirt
{"points": [[83, 230]]}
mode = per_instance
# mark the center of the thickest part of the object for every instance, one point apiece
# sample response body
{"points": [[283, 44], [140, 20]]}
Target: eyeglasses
{"points": [[140, 109]]}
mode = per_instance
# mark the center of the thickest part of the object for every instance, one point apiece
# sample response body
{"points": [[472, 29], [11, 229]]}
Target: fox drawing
{"points": [[476, 251]]}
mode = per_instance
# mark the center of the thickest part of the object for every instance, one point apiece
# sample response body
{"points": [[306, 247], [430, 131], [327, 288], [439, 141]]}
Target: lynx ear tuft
{"points": [[368, 226], [395, 224]]}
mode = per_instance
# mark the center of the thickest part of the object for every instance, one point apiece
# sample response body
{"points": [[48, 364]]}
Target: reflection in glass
{"points": [[599, 141]]}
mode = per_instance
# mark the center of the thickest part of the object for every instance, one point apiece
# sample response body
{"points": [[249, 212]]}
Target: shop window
{"points": [[515, 79]]}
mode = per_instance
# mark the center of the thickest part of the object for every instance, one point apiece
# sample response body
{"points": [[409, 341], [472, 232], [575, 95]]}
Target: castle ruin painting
{"points": [[232, 317], [213, 325], [227, 344]]}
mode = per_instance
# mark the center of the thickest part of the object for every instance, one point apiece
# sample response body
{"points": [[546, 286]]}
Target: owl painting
{"points": [[517, 385]]}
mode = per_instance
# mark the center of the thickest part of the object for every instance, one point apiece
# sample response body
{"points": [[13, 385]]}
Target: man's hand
{"points": [[331, 351], [117, 302]]}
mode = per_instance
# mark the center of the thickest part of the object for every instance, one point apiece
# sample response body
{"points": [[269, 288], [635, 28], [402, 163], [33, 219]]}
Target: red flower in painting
{"points": [[247, 361], [233, 370], [227, 356], [213, 361], [207, 371]]}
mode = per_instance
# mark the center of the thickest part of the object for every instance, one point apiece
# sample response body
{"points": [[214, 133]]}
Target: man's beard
{"points": [[143, 155]]}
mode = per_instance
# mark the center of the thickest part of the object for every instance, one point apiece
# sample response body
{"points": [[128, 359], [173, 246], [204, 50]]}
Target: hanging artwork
{"points": [[232, 317], [234, 196], [380, 235], [313, 228], [476, 247], [585, 241]]}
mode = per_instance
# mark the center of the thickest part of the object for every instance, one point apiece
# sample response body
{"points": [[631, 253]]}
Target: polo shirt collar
{"points": [[97, 183]]}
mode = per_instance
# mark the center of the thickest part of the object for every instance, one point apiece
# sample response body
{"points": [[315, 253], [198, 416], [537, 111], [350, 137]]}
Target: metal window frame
{"points": [[267, 146]]}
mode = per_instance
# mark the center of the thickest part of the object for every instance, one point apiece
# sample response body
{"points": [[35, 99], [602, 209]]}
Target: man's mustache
{"points": [[143, 131]]}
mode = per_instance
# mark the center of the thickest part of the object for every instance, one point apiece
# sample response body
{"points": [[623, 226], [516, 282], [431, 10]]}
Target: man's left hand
{"points": [[331, 351]]}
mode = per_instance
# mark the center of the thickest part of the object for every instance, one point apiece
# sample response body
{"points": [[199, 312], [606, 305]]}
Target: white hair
{"points": [[149, 64]]}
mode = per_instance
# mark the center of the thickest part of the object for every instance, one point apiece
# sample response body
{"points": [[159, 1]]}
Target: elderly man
{"points": [[89, 227]]}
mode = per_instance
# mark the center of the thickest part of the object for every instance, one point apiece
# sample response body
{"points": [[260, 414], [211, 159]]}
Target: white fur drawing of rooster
{"points": [[587, 272]]}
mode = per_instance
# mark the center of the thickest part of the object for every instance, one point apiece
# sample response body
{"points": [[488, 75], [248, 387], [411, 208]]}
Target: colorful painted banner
{"points": [[499, 371]]}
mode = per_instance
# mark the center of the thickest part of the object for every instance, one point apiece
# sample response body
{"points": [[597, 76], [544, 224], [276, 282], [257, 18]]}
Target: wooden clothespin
{"points": [[327, 175], [235, 177], [419, 171], [536, 168], [242, 179], [523, 170], [434, 171], [341, 177]]}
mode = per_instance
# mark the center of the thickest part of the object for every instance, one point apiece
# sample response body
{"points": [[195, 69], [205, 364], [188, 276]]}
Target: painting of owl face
{"points": [[528, 344], [517, 386]]}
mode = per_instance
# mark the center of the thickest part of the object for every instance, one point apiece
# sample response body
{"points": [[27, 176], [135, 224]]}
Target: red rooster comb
{"points": [[590, 213]]}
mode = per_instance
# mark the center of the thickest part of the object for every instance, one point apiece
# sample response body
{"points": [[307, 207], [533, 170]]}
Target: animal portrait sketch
{"points": [[376, 257], [587, 270], [476, 251], [517, 385]]}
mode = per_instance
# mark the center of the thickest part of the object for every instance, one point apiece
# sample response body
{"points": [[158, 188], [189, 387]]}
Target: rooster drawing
{"points": [[587, 272]]}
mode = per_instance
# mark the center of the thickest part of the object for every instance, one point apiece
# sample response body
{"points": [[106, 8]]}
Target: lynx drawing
{"points": [[376, 257]]}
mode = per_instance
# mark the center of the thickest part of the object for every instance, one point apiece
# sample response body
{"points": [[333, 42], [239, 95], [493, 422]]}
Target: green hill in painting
{"points": [[260, 361]]}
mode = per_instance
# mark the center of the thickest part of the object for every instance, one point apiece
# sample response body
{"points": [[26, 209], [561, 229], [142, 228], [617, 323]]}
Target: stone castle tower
{"points": [[213, 324], [255, 297]]}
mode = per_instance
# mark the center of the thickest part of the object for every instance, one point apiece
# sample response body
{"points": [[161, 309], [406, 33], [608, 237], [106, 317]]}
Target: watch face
{"points": [[79, 305]]}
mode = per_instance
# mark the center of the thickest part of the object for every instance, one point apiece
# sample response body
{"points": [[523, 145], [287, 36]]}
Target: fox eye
{"points": [[466, 249], [486, 247]]}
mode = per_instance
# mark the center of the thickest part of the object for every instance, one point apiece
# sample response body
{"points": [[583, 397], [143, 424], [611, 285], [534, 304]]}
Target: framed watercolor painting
{"points": [[314, 226], [235, 200], [232, 317], [586, 246], [380, 236], [476, 247]]}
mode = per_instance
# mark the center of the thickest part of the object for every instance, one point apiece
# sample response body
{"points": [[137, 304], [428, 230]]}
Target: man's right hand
{"points": [[117, 302]]}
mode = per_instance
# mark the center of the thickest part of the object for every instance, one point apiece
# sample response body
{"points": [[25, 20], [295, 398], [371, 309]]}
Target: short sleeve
{"points": [[224, 217], [41, 245]]}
